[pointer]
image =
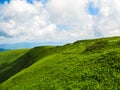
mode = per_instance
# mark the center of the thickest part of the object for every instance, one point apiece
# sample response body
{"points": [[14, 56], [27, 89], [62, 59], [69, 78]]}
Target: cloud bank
{"points": [[58, 20]]}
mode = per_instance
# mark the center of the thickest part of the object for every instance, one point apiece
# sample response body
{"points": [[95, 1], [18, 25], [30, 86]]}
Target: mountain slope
{"points": [[6, 58], [83, 65]]}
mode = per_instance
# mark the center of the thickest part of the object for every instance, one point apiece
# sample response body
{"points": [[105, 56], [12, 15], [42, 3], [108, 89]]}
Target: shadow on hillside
{"points": [[10, 69]]}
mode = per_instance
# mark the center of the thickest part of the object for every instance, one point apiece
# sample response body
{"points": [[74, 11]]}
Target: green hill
{"points": [[6, 58], [83, 65]]}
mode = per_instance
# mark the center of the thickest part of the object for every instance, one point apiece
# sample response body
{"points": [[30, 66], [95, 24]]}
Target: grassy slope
{"points": [[8, 57], [11, 55], [83, 65]]}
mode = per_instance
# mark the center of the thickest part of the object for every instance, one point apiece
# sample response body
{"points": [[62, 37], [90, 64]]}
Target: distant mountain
{"points": [[1, 49], [28, 45]]}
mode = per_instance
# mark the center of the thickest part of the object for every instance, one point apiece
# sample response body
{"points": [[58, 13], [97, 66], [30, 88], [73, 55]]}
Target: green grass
{"points": [[83, 65], [11, 55], [6, 58]]}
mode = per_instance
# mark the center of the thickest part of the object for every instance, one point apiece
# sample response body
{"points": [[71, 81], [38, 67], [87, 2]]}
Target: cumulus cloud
{"points": [[73, 14], [23, 21], [88, 18], [108, 19], [58, 20]]}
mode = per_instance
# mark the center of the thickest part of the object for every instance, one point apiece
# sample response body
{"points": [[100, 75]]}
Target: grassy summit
{"points": [[83, 65]]}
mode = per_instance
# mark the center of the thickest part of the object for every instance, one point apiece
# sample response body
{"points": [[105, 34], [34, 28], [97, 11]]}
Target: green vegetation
{"points": [[83, 65], [6, 60]]}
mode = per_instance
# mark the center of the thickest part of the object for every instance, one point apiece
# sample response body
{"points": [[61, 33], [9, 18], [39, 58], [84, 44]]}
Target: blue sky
{"points": [[58, 20], [29, 1], [43, 1], [3, 1], [92, 9]]}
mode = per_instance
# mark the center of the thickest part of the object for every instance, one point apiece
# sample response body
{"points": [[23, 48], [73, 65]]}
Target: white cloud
{"points": [[73, 13], [21, 21], [108, 19]]}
